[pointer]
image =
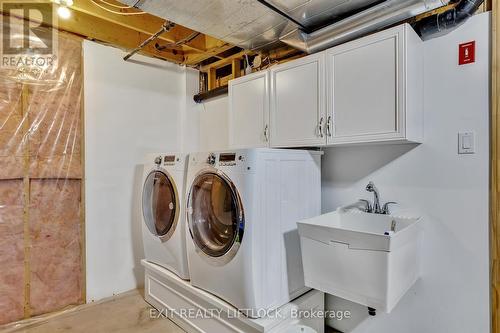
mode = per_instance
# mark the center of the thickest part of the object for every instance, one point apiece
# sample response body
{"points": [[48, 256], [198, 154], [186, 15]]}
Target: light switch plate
{"points": [[466, 144]]}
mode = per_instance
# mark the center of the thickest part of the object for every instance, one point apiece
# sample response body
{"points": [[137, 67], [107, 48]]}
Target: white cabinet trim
{"points": [[408, 94], [321, 112], [265, 126], [398, 34]]}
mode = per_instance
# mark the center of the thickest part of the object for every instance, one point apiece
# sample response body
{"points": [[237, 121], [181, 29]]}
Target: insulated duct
{"points": [[443, 22], [375, 18]]}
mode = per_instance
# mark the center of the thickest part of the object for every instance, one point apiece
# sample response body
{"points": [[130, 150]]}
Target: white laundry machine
{"points": [[242, 208], [163, 212]]}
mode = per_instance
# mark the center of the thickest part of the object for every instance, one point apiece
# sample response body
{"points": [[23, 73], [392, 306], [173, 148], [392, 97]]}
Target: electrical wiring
{"points": [[116, 6], [178, 43], [115, 12], [270, 62]]}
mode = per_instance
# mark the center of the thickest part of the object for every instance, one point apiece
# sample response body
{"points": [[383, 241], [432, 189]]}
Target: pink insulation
{"points": [[11, 250], [11, 130], [56, 261], [41, 235]]}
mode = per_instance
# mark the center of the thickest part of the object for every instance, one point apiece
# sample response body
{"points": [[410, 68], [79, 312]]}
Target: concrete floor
{"points": [[126, 313]]}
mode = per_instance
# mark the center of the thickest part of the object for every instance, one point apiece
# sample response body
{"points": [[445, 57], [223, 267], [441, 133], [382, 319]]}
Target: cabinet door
{"points": [[366, 89], [249, 111], [298, 103]]}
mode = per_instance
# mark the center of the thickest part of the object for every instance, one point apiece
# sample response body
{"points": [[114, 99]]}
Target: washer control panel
{"points": [[227, 159], [211, 159]]}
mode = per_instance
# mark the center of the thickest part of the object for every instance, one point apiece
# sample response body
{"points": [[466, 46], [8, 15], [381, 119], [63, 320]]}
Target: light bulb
{"points": [[64, 12]]}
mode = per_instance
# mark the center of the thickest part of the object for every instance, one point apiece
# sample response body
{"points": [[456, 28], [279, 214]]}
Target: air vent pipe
{"points": [[441, 23], [375, 18]]}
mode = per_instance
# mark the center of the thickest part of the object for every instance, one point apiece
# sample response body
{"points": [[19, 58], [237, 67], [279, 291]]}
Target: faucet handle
{"points": [[385, 208], [368, 206]]}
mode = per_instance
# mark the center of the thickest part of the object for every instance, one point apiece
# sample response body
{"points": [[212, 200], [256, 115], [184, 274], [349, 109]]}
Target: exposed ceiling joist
{"points": [[92, 20], [192, 59], [146, 23], [226, 61], [196, 50], [95, 28], [110, 22]]}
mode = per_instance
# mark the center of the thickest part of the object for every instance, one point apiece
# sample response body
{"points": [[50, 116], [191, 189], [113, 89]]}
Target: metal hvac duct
{"points": [[375, 18], [443, 22]]}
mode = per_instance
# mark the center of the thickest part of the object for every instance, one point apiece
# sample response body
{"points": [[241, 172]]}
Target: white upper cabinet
{"points": [[367, 90], [249, 111], [375, 88], [297, 116]]}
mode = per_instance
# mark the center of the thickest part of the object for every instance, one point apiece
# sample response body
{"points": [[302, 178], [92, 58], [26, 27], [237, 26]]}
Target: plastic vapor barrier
{"points": [[41, 209]]}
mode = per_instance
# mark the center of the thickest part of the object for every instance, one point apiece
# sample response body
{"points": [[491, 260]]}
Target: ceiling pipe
{"points": [[164, 28], [171, 46], [201, 97], [442, 23], [375, 18]]}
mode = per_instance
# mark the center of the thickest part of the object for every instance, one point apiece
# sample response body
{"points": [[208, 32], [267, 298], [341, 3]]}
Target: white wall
{"points": [[450, 190], [205, 124], [131, 108], [190, 116], [214, 124]]}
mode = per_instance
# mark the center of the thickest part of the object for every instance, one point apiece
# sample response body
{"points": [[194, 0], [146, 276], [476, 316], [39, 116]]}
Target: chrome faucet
{"points": [[376, 199], [368, 205], [375, 208]]}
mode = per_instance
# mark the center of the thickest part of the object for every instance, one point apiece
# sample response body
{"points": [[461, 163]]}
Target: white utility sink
{"points": [[370, 259]]}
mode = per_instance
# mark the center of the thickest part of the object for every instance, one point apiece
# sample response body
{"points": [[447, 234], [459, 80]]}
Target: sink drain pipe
{"points": [[442, 23], [372, 312]]}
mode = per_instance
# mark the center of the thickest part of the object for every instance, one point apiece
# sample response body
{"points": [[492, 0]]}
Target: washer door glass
{"points": [[159, 203], [214, 214]]}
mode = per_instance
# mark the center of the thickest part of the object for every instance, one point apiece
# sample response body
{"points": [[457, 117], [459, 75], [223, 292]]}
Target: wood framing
{"points": [[226, 61], [193, 58], [146, 24], [26, 204], [212, 79], [92, 20], [495, 172], [113, 23], [487, 5], [236, 68]]}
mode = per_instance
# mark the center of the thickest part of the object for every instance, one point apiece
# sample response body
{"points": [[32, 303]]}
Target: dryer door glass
{"points": [[159, 203], [213, 214]]}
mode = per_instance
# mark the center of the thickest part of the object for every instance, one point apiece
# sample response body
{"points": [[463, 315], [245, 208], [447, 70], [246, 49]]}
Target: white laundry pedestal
{"points": [[197, 311]]}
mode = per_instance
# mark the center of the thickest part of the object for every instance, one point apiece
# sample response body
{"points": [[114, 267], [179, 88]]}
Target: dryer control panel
{"points": [[170, 159], [166, 160]]}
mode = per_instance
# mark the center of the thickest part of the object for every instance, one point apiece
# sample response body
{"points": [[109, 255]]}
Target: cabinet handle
{"points": [[328, 126], [320, 127], [265, 133]]}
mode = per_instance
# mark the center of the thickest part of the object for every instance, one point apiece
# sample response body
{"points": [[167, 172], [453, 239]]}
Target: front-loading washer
{"points": [[163, 211], [242, 208]]}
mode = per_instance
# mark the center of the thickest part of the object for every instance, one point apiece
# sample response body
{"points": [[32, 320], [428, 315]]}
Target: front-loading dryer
{"points": [[163, 212], [242, 208]]}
